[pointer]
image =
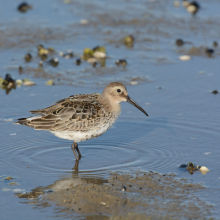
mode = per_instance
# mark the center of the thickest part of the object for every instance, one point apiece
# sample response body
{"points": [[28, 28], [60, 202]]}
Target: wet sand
{"points": [[124, 196]]}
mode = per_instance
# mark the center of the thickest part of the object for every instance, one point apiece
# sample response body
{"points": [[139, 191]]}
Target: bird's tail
{"points": [[21, 121]]}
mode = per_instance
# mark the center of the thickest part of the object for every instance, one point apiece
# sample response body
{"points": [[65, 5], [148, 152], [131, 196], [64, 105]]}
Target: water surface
{"points": [[183, 122]]}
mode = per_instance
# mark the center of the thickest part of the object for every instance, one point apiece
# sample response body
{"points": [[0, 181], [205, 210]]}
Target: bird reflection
{"points": [[64, 183]]}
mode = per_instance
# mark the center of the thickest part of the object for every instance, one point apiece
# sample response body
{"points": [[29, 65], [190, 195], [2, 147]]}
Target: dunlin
{"points": [[83, 116]]}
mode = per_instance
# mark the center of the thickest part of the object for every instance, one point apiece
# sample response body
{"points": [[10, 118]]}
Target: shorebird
{"points": [[81, 117]]}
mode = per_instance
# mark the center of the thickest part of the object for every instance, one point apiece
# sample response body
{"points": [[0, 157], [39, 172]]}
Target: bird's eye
{"points": [[118, 90]]}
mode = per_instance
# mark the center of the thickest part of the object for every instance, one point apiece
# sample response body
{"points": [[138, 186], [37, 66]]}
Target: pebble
{"points": [[50, 83], [41, 63], [78, 62], [13, 183], [184, 57], [122, 62], [8, 178], [28, 83], [99, 55], [179, 42], [215, 92], [215, 44], [23, 7], [92, 60], [203, 168], [83, 21], [123, 188], [18, 82], [133, 82], [54, 62]]}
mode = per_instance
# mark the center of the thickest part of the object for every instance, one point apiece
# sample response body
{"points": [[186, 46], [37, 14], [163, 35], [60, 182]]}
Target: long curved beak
{"points": [[131, 101]]}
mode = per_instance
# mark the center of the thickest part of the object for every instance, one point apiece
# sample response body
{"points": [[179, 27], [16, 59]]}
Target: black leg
{"points": [[75, 148], [76, 167]]}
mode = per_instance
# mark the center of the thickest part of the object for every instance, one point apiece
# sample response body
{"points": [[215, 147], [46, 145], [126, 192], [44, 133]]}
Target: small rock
{"points": [[215, 92], [51, 49], [209, 52], [43, 56], [215, 44], [20, 69], [42, 50], [78, 62], [129, 41], [27, 82], [91, 60], [122, 62], [184, 57], [8, 178], [13, 183], [28, 57], [183, 166], [99, 55], [9, 79], [23, 7], [41, 63], [133, 82], [87, 53], [123, 188], [99, 49], [54, 62], [204, 170], [69, 54], [84, 21], [193, 7], [179, 42], [50, 83], [18, 82]]}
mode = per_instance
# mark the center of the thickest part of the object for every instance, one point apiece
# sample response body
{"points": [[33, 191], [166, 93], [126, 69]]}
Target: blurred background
{"points": [[166, 52]]}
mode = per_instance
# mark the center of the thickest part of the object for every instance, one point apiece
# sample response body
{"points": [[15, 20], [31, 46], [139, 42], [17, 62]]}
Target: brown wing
{"points": [[73, 98], [68, 115]]}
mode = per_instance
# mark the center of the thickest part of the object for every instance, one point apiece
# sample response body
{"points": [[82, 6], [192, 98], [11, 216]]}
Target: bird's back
{"points": [[77, 113]]}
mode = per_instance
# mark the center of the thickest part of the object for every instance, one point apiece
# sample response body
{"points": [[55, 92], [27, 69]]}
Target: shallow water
{"points": [[183, 122]]}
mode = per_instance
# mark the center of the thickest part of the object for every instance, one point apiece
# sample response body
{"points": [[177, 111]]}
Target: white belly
{"points": [[78, 136]]}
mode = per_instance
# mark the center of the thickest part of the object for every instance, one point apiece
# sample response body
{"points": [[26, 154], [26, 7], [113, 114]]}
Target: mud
{"points": [[125, 196], [27, 37]]}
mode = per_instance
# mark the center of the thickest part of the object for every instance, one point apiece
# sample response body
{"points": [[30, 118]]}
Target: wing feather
{"points": [[75, 113]]}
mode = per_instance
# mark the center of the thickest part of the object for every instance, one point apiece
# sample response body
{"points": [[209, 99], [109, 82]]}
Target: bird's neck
{"points": [[110, 104]]}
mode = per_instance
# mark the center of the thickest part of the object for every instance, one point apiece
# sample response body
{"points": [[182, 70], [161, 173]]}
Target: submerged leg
{"points": [[75, 148]]}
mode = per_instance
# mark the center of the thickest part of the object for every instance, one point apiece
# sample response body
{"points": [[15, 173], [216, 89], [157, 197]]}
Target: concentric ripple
{"points": [[158, 144]]}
